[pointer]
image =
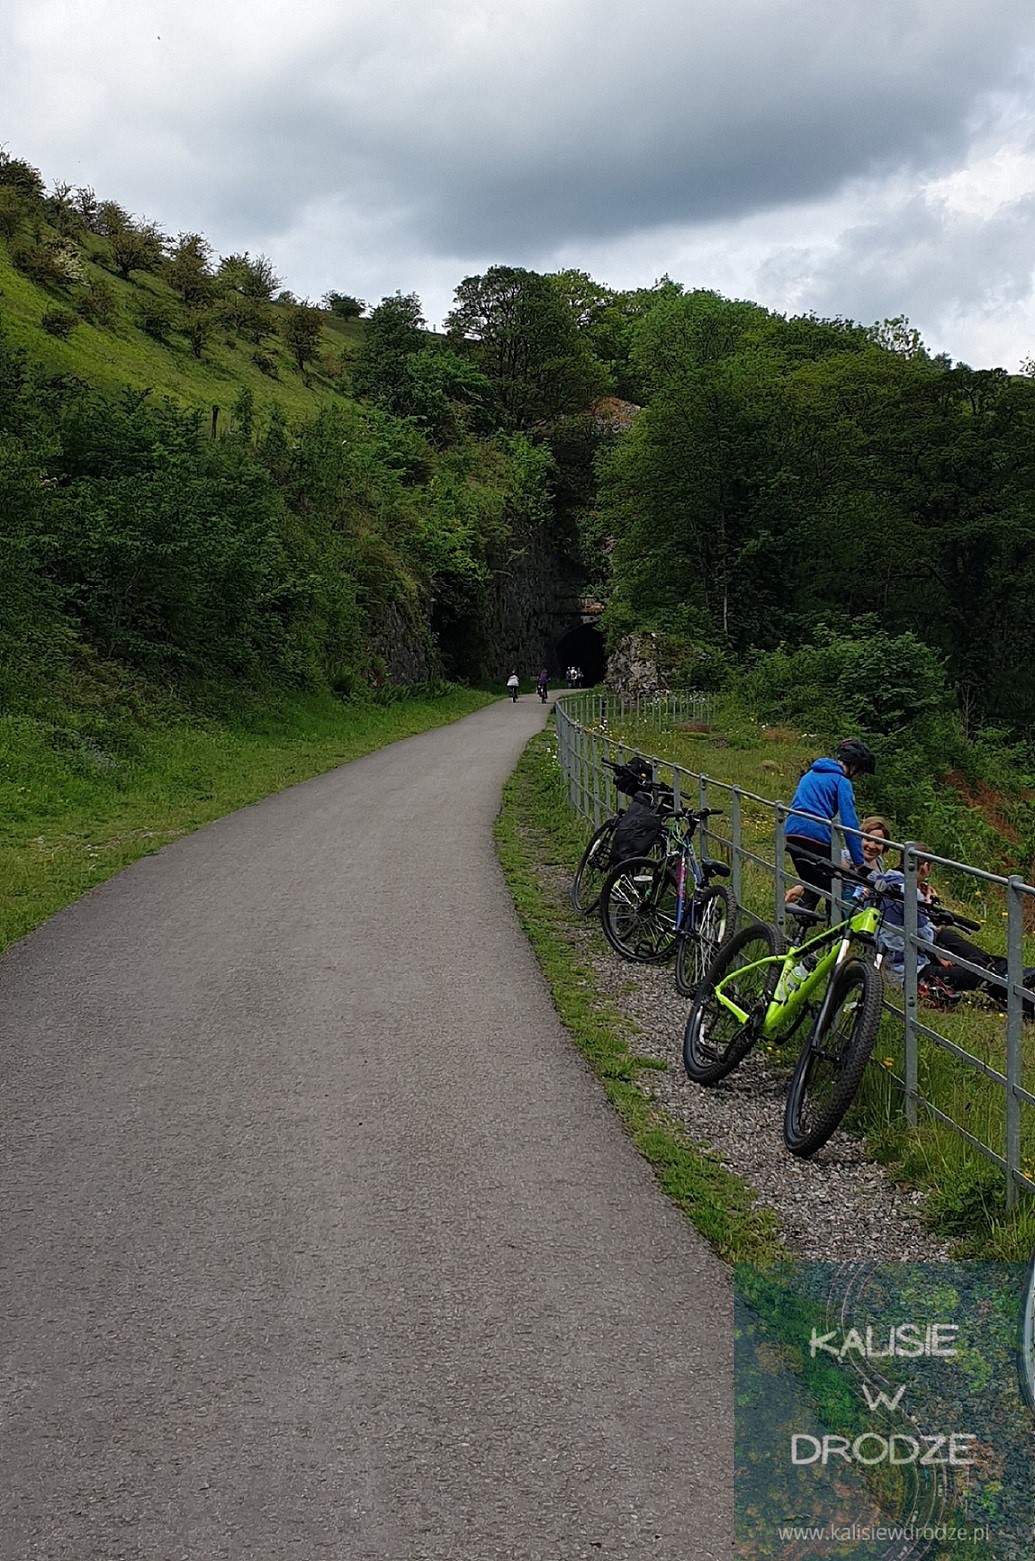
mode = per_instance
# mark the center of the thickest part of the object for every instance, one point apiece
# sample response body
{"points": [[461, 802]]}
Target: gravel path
{"points": [[838, 1205]]}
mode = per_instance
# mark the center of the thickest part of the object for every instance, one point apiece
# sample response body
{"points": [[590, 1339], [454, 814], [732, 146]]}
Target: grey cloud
{"points": [[515, 126], [960, 278], [679, 114]]}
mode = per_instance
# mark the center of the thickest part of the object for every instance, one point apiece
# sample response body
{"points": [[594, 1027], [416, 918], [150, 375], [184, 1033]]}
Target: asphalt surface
{"points": [[317, 1237]]}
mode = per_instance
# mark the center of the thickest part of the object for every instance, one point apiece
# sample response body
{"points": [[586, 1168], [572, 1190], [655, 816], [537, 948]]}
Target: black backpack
{"points": [[638, 829]]}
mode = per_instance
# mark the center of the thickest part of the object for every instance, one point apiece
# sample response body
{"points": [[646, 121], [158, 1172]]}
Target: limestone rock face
{"points": [[403, 646], [633, 670]]}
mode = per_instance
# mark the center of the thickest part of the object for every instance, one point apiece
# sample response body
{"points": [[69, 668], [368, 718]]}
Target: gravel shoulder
{"points": [[838, 1206]]}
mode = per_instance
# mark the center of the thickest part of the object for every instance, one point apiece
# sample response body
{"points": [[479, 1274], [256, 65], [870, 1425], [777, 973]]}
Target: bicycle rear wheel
{"points": [[638, 909], [833, 1059], [715, 921], [593, 868], [716, 1041]]}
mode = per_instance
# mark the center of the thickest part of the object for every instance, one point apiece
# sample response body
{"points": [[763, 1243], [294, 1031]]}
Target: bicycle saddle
{"points": [[713, 869]]}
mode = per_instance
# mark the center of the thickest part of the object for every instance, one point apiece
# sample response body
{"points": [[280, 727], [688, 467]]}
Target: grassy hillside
{"points": [[112, 358]]}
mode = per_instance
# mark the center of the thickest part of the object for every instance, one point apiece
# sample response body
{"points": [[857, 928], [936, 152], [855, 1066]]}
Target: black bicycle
{"points": [[653, 906], [630, 777]]}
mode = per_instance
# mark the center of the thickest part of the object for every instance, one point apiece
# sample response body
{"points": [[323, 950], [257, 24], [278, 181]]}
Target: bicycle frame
{"points": [[684, 848], [787, 1001]]}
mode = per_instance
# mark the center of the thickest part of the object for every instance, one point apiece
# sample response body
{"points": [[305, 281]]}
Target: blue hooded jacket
{"points": [[825, 789]]}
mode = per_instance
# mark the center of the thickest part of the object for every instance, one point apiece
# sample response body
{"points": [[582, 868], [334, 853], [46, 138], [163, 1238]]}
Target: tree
{"points": [[251, 278], [86, 205], [16, 174], [189, 268], [110, 218], [15, 211], [137, 249], [343, 305], [396, 330], [301, 328], [519, 331], [897, 335], [198, 326], [62, 211]]}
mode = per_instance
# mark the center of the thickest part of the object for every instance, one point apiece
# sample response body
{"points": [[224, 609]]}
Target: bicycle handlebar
{"points": [[934, 913]]}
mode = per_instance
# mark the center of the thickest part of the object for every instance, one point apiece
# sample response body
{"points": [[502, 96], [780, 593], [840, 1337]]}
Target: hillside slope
{"points": [[123, 354]]}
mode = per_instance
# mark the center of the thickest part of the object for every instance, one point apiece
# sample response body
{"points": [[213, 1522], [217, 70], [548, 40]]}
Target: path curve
{"points": [[317, 1237]]}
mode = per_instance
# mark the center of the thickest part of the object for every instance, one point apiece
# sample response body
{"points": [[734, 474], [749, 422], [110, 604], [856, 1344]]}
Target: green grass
{"points": [[127, 356], [535, 828], [79, 801], [966, 1192]]}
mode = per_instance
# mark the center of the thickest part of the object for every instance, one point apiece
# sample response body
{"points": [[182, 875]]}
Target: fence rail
{"points": [[584, 739]]}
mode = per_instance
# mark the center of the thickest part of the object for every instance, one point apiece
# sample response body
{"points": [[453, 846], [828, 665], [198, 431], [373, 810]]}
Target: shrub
{"points": [[266, 364], [198, 325], [15, 209], [60, 322], [67, 261], [38, 260], [155, 320], [98, 305], [16, 174]]}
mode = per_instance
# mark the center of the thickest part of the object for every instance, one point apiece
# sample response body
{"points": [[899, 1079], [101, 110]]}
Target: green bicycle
{"points": [[757, 989]]}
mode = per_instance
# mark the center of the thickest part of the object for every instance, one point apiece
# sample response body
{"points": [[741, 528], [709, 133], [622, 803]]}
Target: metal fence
{"points": [[657, 711], [993, 1101]]}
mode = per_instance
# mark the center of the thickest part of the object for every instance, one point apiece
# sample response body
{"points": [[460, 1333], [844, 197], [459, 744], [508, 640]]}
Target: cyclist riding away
{"points": [[541, 683], [825, 790], [513, 684]]}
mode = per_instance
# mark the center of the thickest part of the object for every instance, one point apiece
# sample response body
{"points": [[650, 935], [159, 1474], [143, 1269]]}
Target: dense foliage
{"points": [[790, 473], [273, 553]]}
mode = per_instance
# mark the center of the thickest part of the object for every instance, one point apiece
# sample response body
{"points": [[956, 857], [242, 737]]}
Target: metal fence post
{"points": [[702, 803], [780, 875], [910, 955], [597, 767], [580, 744], [1014, 1027], [735, 845]]}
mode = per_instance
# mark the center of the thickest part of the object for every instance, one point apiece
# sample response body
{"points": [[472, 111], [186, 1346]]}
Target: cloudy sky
{"points": [[855, 157]]}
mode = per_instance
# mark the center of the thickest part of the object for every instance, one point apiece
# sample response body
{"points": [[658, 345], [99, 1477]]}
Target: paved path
{"points": [[317, 1238]]}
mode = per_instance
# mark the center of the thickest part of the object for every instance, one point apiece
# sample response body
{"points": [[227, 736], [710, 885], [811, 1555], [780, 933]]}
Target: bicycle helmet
{"points": [[855, 755]]}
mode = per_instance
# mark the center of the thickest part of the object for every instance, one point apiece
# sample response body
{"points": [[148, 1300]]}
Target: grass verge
{"points": [[536, 829], [76, 807]]}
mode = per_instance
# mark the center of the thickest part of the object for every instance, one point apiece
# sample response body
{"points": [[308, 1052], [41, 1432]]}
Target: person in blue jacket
{"points": [[825, 791]]}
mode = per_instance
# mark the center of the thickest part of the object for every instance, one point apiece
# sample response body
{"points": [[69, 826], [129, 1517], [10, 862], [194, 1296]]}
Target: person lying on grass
{"points": [[940, 980]]}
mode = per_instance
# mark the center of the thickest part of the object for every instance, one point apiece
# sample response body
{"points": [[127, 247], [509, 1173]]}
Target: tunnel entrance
{"points": [[582, 647]]}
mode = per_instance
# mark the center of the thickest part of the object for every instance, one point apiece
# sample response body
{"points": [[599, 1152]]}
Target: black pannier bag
{"points": [[638, 829]]}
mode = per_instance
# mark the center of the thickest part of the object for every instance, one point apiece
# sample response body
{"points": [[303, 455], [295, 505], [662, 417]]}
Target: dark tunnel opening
{"points": [[581, 647]]}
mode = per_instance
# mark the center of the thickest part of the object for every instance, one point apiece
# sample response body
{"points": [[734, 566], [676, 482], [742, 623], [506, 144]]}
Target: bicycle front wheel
{"points": [[716, 1041], [593, 868], [833, 1059], [715, 919], [638, 909]]}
